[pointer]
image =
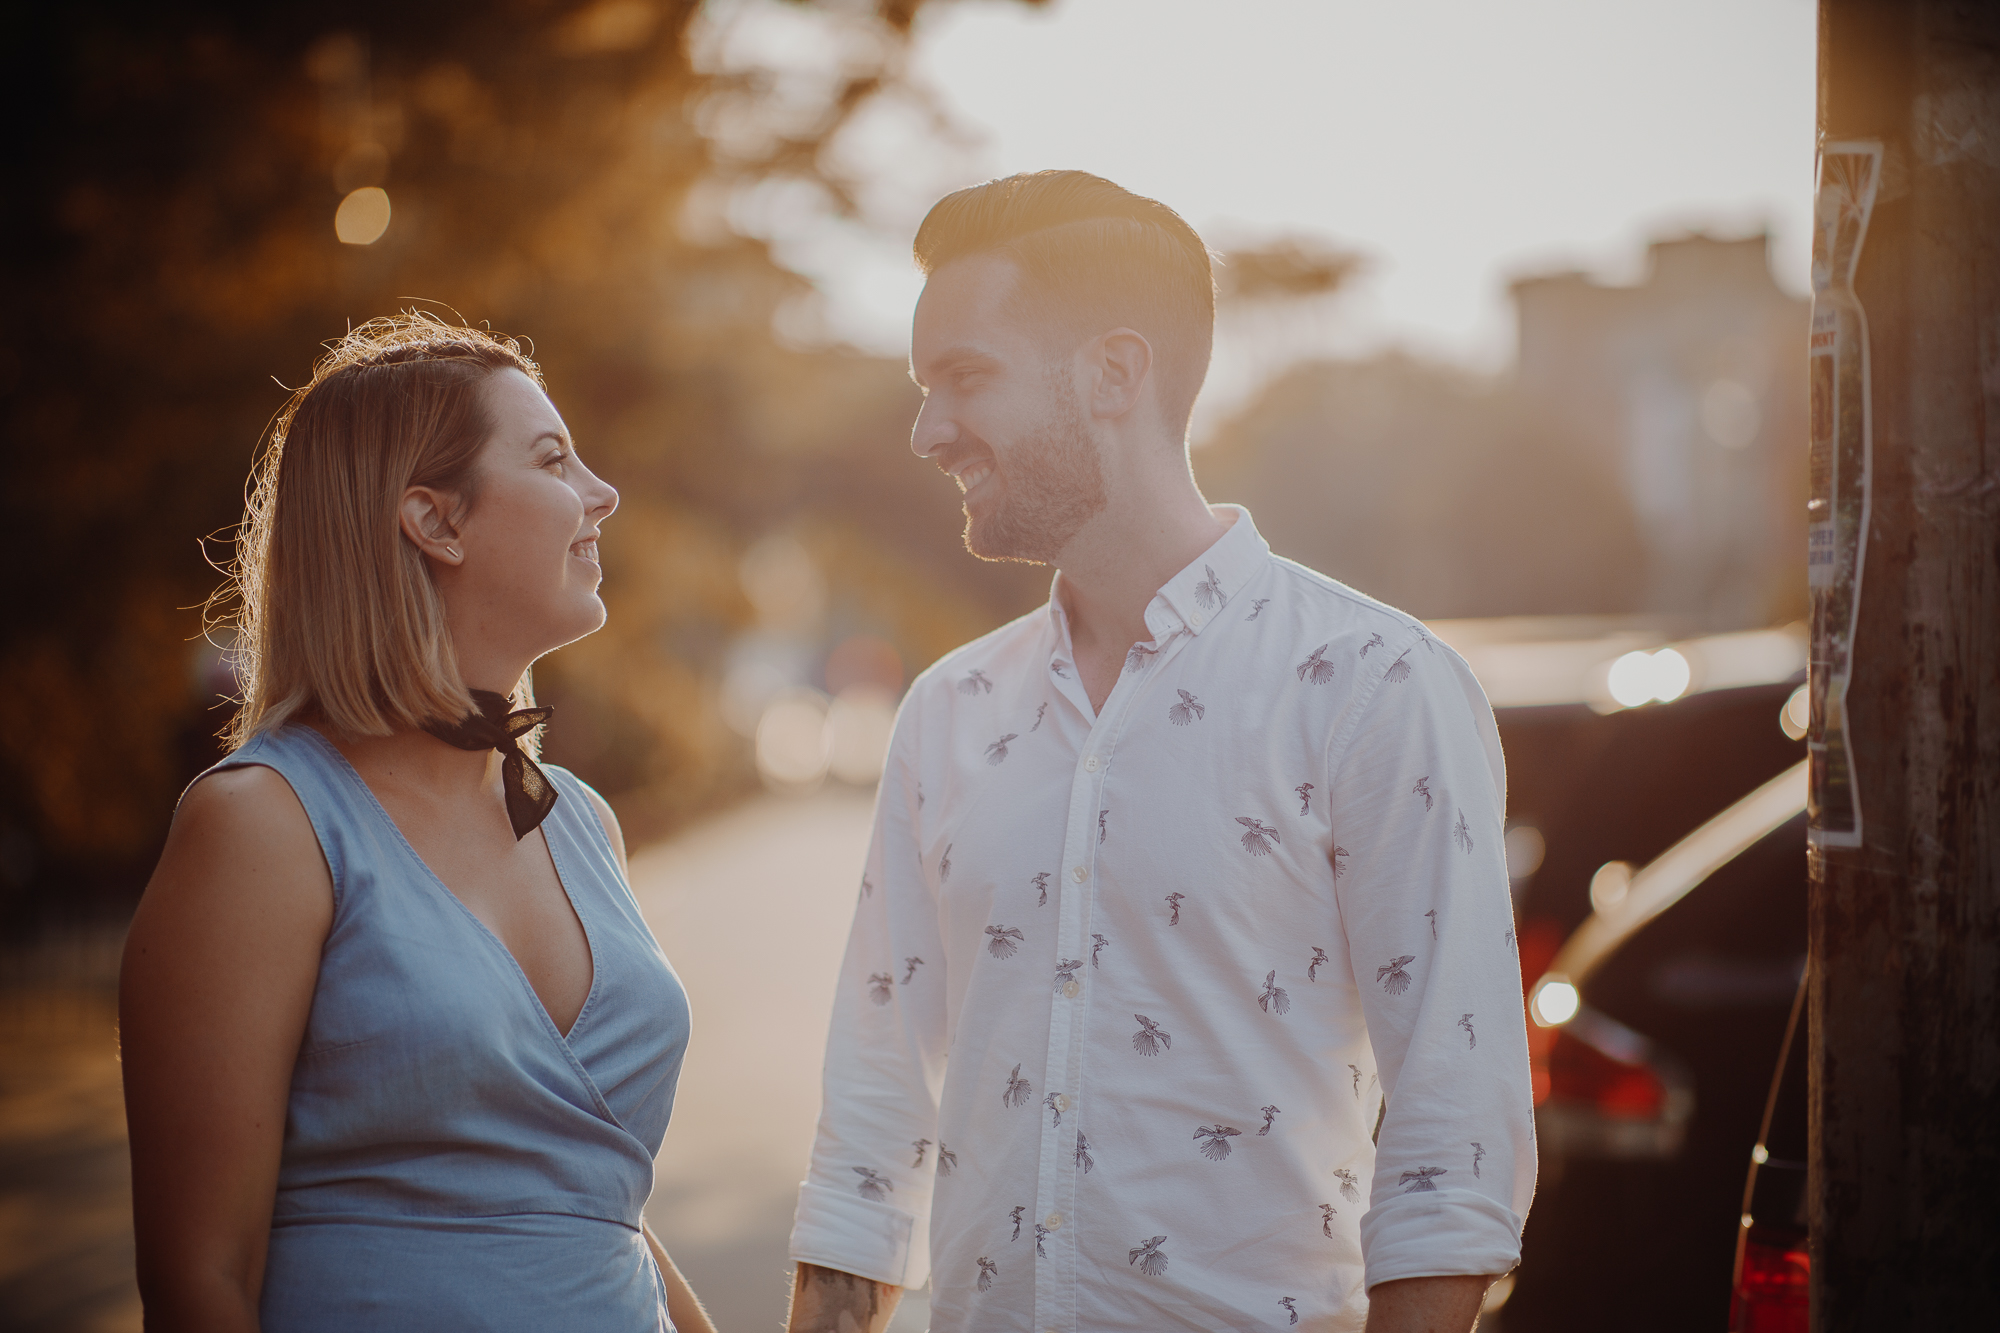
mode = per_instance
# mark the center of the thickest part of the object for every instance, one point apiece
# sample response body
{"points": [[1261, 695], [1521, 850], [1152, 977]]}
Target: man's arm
{"points": [[1426, 1304], [826, 1301]]}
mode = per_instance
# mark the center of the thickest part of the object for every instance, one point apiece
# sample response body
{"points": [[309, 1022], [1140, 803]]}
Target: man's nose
{"points": [[933, 431]]}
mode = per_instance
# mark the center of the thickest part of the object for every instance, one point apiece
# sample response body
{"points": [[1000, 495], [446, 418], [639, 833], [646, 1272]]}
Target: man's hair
{"points": [[1093, 257], [336, 615]]}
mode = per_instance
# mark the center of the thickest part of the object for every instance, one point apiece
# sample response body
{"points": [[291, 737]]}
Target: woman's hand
{"points": [[220, 968]]}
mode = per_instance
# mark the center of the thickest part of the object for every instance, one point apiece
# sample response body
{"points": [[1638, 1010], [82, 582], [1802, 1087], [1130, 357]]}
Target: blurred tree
{"points": [[554, 169]]}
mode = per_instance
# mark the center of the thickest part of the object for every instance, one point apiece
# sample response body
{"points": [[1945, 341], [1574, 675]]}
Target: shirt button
{"points": [[1195, 620], [1079, 874], [1062, 1101], [1072, 989], [1053, 1221], [1090, 764]]}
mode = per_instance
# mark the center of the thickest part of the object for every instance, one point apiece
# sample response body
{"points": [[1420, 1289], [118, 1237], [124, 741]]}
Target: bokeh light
{"points": [[1642, 677], [1525, 848], [362, 216], [792, 751], [1609, 885], [1556, 1002], [858, 725], [1796, 715]]}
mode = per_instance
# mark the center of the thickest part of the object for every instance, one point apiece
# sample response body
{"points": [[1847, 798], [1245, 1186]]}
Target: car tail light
{"points": [[1773, 1272], [1580, 1072]]}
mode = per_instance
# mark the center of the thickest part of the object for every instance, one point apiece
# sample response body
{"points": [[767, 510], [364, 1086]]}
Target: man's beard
{"points": [[1050, 487]]}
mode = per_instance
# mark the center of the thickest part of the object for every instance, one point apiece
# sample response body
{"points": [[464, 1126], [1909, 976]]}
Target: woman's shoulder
{"points": [[594, 807]]}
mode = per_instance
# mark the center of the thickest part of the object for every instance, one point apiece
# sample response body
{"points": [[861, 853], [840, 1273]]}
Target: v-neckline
{"points": [[555, 864]]}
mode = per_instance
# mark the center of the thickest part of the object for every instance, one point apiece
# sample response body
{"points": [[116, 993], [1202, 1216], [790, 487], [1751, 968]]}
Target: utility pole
{"points": [[1904, 1192]]}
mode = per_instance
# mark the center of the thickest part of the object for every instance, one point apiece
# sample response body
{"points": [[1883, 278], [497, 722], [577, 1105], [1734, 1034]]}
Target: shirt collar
{"points": [[1190, 599]]}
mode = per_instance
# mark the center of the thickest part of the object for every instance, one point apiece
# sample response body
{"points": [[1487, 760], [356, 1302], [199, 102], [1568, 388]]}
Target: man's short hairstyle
{"points": [[337, 616], [1093, 257]]}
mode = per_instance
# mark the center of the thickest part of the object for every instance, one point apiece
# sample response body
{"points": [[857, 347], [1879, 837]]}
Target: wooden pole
{"points": [[1904, 1194]]}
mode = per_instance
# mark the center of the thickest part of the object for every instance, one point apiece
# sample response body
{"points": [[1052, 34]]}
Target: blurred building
{"points": [[1692, 382], [1646, 455]]}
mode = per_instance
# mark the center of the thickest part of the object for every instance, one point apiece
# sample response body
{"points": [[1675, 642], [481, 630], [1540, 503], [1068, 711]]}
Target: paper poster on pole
{"points": [[1841, 462]]}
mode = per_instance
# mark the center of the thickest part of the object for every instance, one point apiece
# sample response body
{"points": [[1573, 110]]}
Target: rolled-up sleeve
{"points": [[1419, 801], [864, 1207]]}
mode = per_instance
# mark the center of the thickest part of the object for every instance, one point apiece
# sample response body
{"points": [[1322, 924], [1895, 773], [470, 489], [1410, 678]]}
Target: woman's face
{"points": [[528, 582]]}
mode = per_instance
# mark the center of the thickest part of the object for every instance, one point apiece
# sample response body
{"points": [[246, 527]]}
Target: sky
{"points": [[1456, 144]]}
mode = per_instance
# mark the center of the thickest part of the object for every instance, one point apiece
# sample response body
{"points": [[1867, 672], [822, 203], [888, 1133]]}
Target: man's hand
{"points": [[1426, 1304], [825, 1300]]}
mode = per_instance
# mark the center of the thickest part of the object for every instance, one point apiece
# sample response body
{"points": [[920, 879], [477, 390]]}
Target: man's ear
{"points": [[425, 519], [1120, 363]]}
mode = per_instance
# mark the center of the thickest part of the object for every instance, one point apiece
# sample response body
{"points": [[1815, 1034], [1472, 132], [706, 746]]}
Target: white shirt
{"points": [[1127, 989]]}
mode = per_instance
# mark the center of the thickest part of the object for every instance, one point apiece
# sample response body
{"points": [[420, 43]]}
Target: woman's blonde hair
{"points": [[336, 614]]}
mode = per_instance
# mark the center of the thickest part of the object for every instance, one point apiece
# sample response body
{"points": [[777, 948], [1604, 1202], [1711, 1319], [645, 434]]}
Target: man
{"points": [[1205, 856]]}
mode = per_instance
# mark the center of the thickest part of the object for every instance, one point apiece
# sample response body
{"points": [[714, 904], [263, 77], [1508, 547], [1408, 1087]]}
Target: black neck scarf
{"points": [[530, 794]]}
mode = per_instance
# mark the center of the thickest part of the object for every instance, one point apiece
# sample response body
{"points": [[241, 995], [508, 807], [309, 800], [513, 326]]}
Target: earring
{"points": [[452, 553]]}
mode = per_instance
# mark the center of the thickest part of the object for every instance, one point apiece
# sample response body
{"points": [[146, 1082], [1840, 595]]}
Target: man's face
{"points": [[1001, 415]]}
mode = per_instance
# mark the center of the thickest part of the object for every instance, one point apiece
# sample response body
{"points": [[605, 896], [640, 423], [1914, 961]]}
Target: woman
{"points": [[398, 1046]]}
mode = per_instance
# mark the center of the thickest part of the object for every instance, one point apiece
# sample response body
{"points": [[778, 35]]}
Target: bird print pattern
{"points": [[1291, 1308], [1422, 1179], [1271, 1114], [1003, 941], [988, 1270], [1061, 669], [922, 1146], [1015, 1215], [1101, 816], [1274, 1000], [1399, 670], [1066, 971], [1257, 607], [1316, 668], [910, 966], [873, 1184], [944, 863], [1339, 858], [1055, 1102], [1319, 960], [1350, 1188], [1260, 838], [1471, 1037], [1462, 835], [1151, 1260], [1097, 945], [1478, 1153], [1040, 709], [1395, 977], [975, 682], [1214, 1140], [1188, 710], [1374, 641], [1432, 917], [1018, 1090], [1304, 791], [1136, 655], [947, 1160], [1356, 1070], [1423, 789], [1041, 1234], [881, 987], [1041, 887], [996, 753], [1326, 1220], [1174, 901], [1084, 1161], [1150, 1039], [1208, 592]]}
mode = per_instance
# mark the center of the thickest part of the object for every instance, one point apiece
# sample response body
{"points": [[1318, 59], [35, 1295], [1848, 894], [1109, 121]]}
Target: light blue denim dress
{"points": [[451, 1160]]}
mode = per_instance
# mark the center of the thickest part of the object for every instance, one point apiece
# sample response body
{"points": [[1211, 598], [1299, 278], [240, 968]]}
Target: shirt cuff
{"points": [[1439, 1233], [850, 1234]]}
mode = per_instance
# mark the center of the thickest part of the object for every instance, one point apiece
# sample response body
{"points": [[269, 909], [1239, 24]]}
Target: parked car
{"points": [[1659, 855]]}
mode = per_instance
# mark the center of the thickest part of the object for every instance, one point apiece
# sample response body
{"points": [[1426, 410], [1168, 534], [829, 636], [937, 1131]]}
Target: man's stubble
{"points": [[1053, 485]]}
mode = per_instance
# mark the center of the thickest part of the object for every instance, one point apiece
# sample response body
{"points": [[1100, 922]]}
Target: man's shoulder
{"points": [[1342, 609]]}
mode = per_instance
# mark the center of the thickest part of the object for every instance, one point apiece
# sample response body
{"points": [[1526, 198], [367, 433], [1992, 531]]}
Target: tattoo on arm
{"points": [[826, 1300]]}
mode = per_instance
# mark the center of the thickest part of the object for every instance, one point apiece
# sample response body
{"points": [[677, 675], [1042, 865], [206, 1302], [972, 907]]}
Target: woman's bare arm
{"points": [[218, 980], [683, 1306]]}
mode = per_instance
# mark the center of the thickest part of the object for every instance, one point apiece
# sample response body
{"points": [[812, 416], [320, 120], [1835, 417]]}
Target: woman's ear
{"points": [[424, 519]]}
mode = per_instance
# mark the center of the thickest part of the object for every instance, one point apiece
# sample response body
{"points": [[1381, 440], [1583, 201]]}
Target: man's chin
{"points": [[990, 537]]}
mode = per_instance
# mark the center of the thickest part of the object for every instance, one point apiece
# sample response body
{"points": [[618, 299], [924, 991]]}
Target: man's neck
{"points": [[1112, 569]]}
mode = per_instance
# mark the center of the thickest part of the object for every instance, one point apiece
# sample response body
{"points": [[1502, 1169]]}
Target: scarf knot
{"points": [[530, 794]]}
